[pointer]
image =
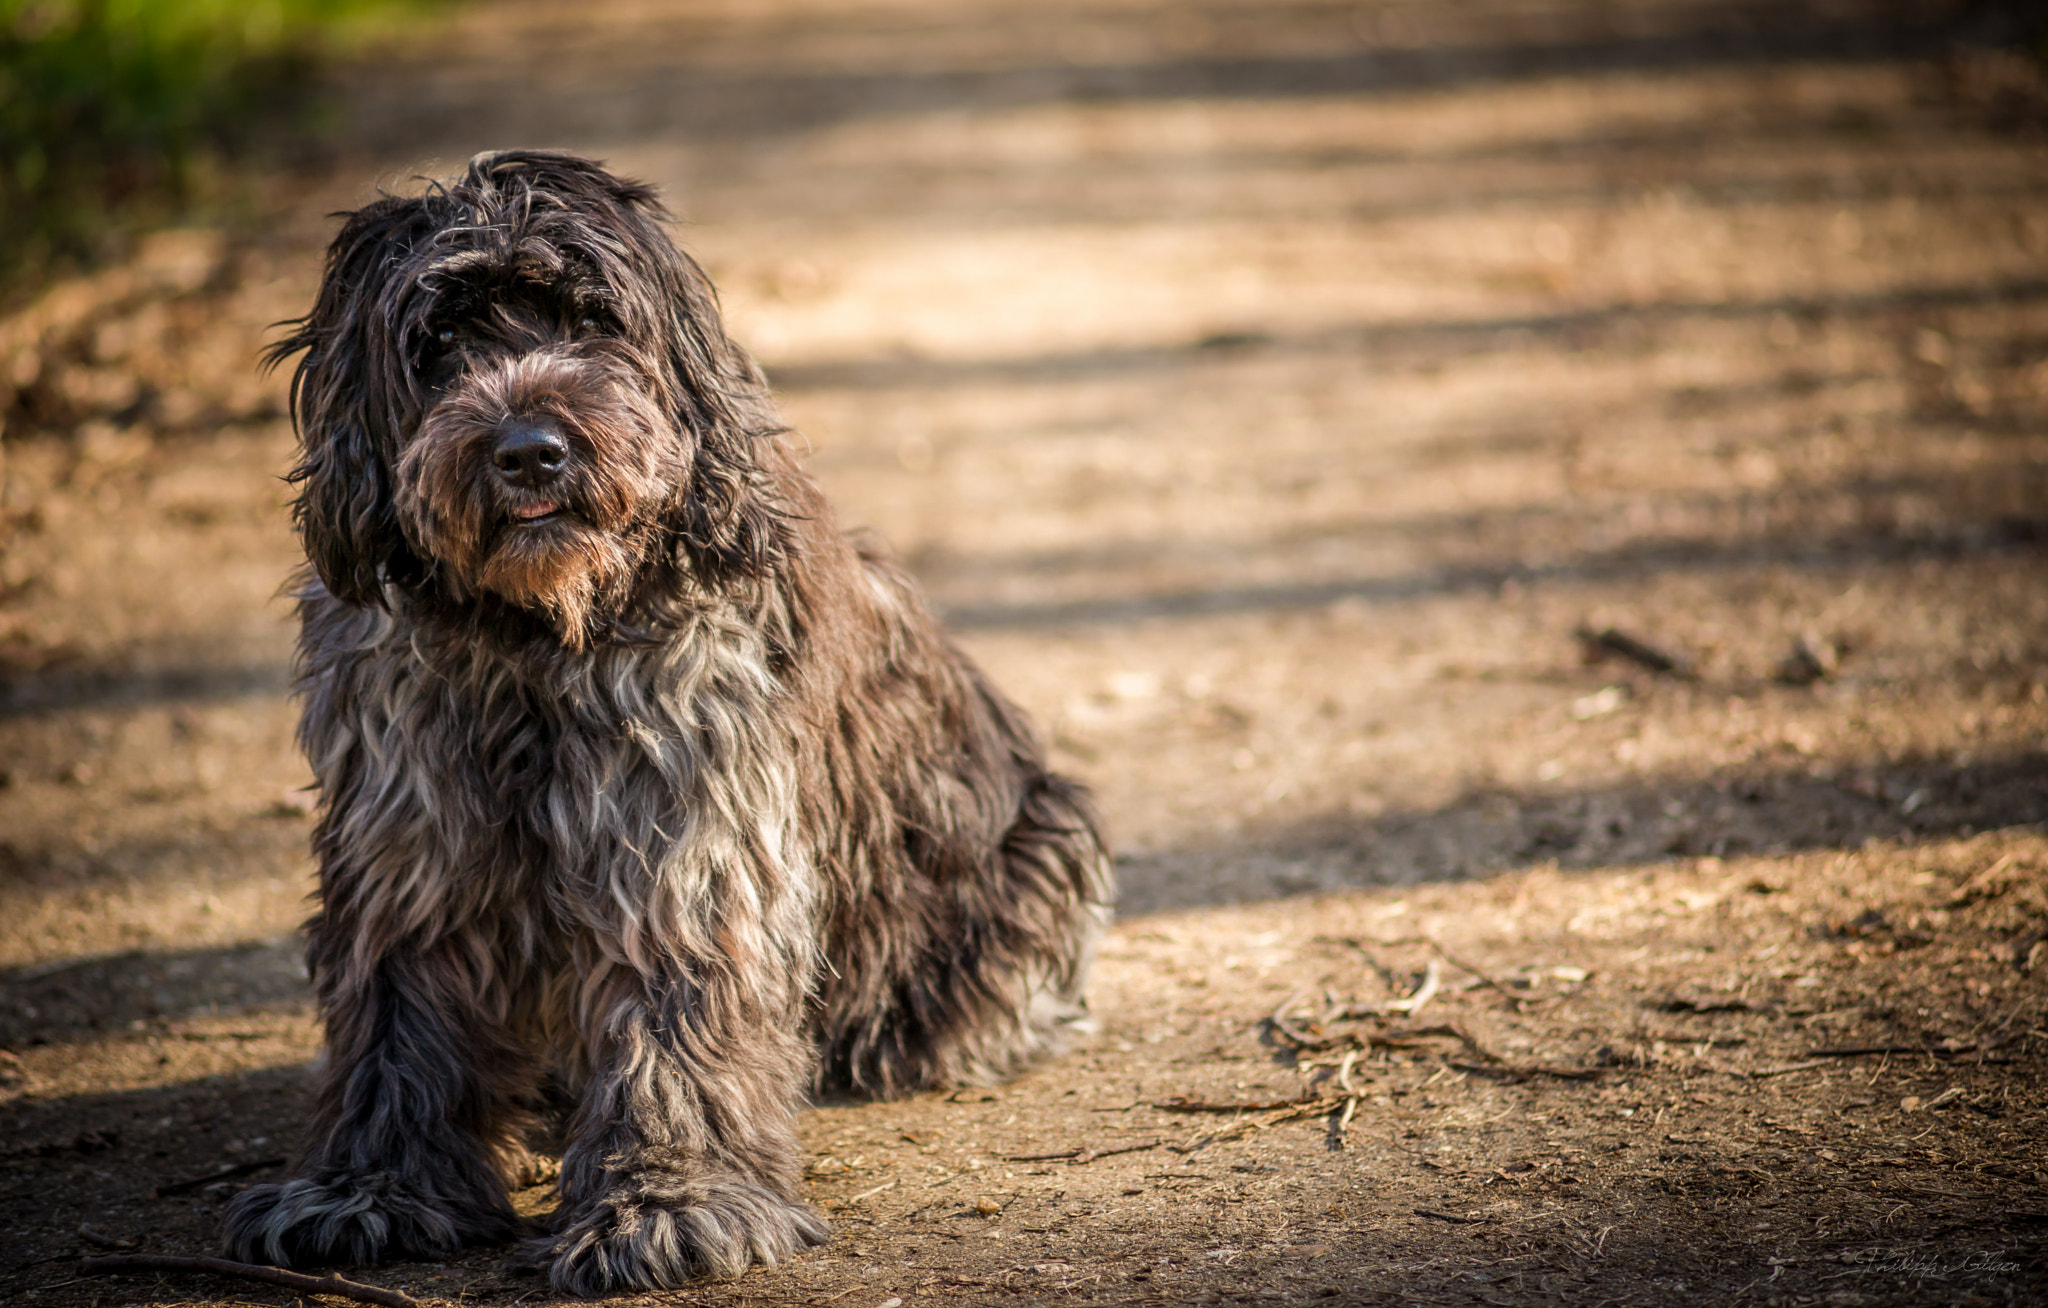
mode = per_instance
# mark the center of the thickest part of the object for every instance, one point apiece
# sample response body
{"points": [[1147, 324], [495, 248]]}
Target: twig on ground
{"points": [[1685, 1004], [1520, 1001], [1342, 1123], [339, 1287], [1451, 1217], [869, 1194], [1497, 1067], [1512, 1073], [1861, 1051], [224, 1174], [1502, 1069], [1432, 976], [1080, 1156], [1182, 1104], [1406, 1038], [1246, 1126], [102, 1239], [1612, 640], [1979, 883], [1279, 1022], [1765, 1072], [1458, 1033]]}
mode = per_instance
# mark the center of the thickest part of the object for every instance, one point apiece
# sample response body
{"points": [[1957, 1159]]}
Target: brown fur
{"points": [[670, 801]]}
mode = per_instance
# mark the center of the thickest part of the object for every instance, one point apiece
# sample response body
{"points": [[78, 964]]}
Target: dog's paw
{"points": [[354, 1219], [659, 1232]]}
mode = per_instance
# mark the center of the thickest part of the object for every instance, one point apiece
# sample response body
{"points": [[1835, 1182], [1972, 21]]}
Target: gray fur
{"points": [[673, 798]]}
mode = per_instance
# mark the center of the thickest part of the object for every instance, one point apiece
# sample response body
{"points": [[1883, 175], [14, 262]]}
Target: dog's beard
{"points": [[573, 549]]}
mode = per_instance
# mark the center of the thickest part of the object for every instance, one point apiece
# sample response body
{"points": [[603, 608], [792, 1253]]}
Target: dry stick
{"points": [[1517, 1000], [2001, 1033], [1407, 1038], [102, 1239], [1342, 1122], [1184, 1105], [1333, 1007], [1432, 976], [1980, 881], [1512, 1072], [224, 1174], [1860, 1051], [1090, 1155], [335, 1285], [1080, 1156], [1281, 1024], [1459, 1033], [1500, 1067], [1765, 1072], [1520, 1002], [869, 1194], [1239, 1129], [1613, 640], [1344, 1073], [1350, 1100]]}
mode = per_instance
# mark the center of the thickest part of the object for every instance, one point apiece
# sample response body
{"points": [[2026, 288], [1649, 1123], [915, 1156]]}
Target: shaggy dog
{"points": [[644, 790]]}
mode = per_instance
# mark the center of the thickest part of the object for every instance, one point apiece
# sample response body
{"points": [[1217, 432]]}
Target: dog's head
{"points": [[517, 393]]}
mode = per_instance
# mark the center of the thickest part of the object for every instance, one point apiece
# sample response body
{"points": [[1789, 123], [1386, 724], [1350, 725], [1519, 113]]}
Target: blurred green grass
{"points": [[120, 112]]}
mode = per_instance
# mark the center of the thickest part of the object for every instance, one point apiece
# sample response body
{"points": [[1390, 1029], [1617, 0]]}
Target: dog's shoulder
{"points": [[333, 630]]}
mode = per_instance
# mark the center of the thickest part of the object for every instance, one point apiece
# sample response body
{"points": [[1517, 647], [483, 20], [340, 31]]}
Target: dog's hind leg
{"points": [[973, 963], [419, 1119], [683, 1160]]}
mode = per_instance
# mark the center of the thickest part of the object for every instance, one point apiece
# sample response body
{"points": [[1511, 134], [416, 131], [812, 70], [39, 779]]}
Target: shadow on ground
{"points": [[663, 91], [1408, 343], [96, 997], [1772, 812], [1745, 812]]}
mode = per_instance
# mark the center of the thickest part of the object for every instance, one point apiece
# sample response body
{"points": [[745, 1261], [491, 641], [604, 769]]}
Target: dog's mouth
{"points": [[538, 511]]}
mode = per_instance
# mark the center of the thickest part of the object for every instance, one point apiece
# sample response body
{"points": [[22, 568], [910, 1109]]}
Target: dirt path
{"points": [[1269, 392]]}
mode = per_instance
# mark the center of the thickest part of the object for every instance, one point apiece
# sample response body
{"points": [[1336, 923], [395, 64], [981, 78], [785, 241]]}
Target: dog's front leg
{"points": [[417, 1120], [682, 1160]]}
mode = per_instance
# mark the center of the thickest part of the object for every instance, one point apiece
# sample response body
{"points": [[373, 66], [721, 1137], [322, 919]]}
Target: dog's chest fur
{"points": [[646, 796]]}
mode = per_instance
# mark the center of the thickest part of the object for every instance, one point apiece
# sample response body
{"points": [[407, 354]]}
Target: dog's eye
{"points": [[589, 326], [446, 336]]}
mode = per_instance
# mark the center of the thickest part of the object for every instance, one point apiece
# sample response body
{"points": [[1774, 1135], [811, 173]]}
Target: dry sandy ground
{"points": [[1269, 392]]}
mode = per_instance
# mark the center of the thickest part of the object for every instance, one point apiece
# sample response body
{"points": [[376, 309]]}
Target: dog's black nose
{"points": [[528, 452]]}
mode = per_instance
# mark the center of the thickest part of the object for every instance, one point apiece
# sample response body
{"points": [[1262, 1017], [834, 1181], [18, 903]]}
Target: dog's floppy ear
{"points": [[341, 400], [733, 522]]}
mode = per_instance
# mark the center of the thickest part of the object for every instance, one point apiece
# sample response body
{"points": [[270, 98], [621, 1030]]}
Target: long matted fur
{"points": [[642, 786]]}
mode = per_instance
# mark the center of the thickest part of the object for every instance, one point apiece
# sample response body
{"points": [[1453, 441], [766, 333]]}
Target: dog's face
{"points": [[516, 391]]}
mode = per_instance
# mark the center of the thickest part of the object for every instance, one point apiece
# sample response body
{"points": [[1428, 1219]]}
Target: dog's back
{"points": [[968, 881]]}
